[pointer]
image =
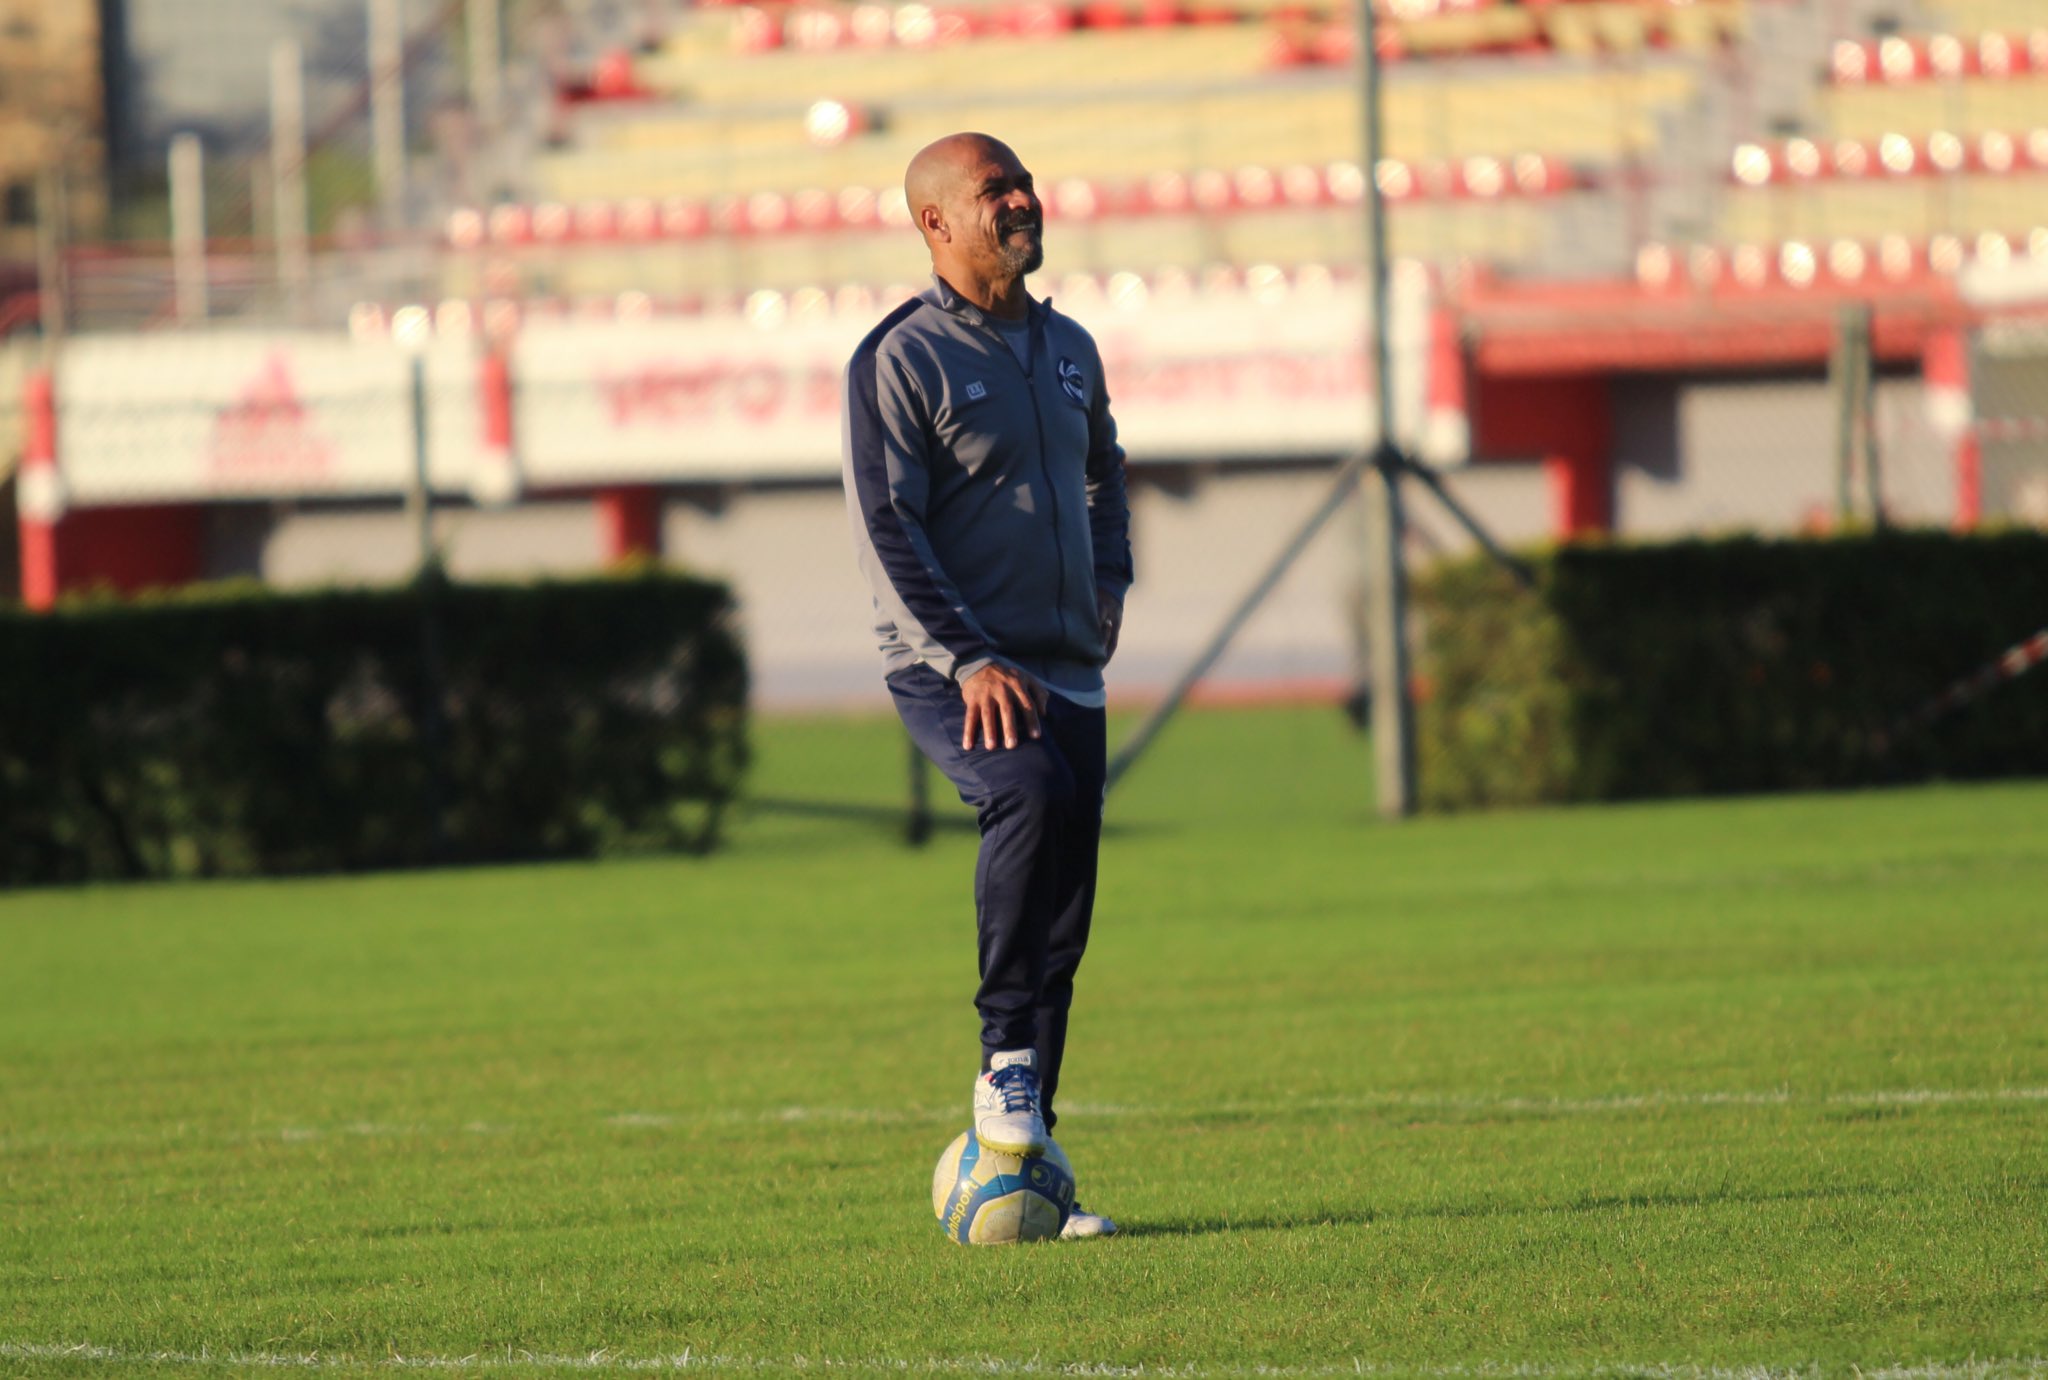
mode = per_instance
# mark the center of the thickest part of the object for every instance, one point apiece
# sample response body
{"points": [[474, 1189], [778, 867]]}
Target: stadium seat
{"points": [[1079, 61], [1967, 106], [1800, 161], [1921, 208], [1900, 59], [1982, 16]]}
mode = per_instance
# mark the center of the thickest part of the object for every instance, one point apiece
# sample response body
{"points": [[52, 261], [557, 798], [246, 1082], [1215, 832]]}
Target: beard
{"points": [[1020, 259]]}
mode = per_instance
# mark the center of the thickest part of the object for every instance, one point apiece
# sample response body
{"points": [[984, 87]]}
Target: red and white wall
{"points": [[132, 439]]}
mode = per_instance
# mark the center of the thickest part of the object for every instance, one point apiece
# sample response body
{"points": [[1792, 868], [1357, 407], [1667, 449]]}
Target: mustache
{"points": [[1010, 225]]}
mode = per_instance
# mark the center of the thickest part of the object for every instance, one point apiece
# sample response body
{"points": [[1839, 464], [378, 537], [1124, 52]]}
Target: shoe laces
{"points": [[1017, 1087]]}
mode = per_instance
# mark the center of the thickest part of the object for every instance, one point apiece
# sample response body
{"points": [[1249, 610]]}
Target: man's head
{"points": [[973, 202]]}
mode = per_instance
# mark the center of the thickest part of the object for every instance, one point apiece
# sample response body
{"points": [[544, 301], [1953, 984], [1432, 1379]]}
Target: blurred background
{"points": [[308, 290]]}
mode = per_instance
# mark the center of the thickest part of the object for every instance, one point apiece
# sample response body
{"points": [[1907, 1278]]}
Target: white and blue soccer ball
{"points": [[986, 1198]]}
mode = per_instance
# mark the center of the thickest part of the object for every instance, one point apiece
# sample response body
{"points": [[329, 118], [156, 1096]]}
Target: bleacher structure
{"points": [[1554, 141], [1599, 199], [1577, 175]]}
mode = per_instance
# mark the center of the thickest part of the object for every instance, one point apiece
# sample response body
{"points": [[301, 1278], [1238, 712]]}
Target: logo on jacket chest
{"points": [[1071, 382]]}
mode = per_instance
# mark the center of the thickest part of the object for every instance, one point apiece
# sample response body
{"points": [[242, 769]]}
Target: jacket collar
{"points": [[942, 296]]}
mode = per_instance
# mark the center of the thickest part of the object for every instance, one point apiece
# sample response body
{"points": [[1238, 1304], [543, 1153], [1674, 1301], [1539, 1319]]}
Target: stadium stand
{"points": [[1926, 129], [1899, 184], [1604, 197], [758, 146], [744, 122], [1565, 139], [1197, 118]]}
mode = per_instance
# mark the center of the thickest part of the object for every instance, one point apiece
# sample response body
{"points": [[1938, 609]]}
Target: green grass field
{"points": [[1673, 1089]]}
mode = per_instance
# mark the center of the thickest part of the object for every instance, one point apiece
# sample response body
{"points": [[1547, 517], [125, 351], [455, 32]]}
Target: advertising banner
{"points": [[1236, 374], [1248, 371], [166, 416], [707, 398]]}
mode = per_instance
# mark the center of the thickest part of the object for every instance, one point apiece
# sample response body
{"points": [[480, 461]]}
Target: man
{"points": [[986, 489]]}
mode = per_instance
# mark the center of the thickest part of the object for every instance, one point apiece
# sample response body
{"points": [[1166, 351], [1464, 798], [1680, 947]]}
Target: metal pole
{"points": [[486, 64], [288, 175], [1851, 371], [427, 584], [262, 203], [1340, 490], [387, 107], [1842, 374], [1393, 714], [188, 227], [52, 292], [1866, 419], [419, 498], [1514, 565]]}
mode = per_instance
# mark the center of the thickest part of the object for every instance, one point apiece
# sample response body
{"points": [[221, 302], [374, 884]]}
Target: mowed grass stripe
{"points": [[606, 1362], [1725, 1085], [1388, 1103]]}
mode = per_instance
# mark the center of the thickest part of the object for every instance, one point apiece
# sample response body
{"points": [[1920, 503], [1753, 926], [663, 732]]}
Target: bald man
{"points": [[986, 489]]}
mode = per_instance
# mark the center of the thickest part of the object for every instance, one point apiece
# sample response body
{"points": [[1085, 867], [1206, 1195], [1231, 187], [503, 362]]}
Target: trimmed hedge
{"points": [[233, 731], [1722, 666]]}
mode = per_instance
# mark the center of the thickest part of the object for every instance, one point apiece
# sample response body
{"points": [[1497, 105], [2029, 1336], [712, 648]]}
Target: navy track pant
{"points": [[1040, 809]]}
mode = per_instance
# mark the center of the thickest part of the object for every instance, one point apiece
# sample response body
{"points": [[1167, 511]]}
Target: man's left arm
{"points": [[1109, 515]]}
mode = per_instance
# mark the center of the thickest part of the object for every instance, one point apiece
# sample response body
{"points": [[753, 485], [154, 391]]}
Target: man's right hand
{"points": [[1000, 701]]}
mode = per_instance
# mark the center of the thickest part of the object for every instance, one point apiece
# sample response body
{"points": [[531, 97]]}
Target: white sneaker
{"points": [[1081, 1222], [1006, 1116]]}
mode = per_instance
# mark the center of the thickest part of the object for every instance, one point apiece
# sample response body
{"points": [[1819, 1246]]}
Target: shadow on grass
{"points": [[1597, 1203], [891, 819], [888, 818]]}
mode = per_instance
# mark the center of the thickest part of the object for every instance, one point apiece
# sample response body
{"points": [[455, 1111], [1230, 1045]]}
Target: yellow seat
{"points": [[1597, 116], [1916, 207], [1983, 16], [1970, 105], [1110, 106], [1107, 59]]}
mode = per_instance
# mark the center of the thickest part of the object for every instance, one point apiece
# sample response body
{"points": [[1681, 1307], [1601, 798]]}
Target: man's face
{"points": [[1003, 220]]}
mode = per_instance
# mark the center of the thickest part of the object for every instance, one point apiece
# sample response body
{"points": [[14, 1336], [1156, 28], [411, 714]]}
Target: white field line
{"points": [[1508, 1104], [605, 1360]]}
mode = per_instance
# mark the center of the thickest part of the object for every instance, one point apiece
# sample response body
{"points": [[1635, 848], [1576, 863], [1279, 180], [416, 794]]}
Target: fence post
{"points": [[629, 523], [496, 481], [1393, 708], [290, 221], [188, 228], [1945, 377], [411, 330], [40, 499], [1851, 375]]}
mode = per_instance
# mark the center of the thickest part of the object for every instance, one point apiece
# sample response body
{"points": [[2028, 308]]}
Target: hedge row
{"points": [[1727, 666], [241, 731]]}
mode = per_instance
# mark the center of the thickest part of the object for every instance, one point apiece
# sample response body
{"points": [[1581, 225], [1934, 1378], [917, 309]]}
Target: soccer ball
{"points": [[985, 1198]]}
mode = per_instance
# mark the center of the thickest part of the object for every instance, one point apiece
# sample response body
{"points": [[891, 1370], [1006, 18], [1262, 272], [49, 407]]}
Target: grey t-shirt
{"points": [[1018, 334]]}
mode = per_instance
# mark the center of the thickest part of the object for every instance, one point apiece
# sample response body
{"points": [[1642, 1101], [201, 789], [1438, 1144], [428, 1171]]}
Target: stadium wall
{"points": [[1201, 538], [1741, 453], [287, 458]]}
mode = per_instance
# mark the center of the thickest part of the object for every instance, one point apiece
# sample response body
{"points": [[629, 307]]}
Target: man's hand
{"points": [[1109, 610], [1000, 698]]}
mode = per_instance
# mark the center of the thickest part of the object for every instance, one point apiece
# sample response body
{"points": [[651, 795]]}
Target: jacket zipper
{"points": [[1044, 467]]}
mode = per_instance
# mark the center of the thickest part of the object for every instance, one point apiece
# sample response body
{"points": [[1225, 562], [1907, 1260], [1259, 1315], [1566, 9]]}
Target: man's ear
{"points": [[932, 221]]}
